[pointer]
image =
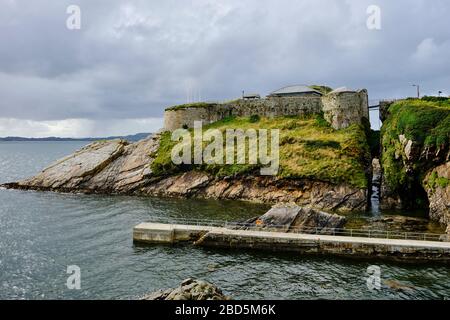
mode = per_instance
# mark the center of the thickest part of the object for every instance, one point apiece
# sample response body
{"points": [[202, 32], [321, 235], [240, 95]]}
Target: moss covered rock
{"points": [[437, 186], [414, 140]]}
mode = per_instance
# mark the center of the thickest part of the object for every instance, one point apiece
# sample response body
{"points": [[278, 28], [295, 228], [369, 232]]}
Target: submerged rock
{"points": [[190, 289], [292, 218], [398, 286], [398, 223]]}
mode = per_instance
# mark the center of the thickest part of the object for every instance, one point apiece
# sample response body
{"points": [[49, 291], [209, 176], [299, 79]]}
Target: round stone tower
{"points": [[343, 107]]}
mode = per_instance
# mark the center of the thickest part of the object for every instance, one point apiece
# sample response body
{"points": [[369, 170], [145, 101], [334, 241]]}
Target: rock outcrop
{"points": [[433, 191], [293, 218], [117, 167], [114, 166], [437, 186], [408, 154], [190, 289], [320, 195], [415, 156]]}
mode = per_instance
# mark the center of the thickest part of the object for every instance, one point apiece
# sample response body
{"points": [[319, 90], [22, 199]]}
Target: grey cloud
{"points": [[131, 59]]}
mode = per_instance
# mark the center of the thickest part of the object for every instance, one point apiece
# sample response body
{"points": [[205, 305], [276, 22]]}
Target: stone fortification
{"points": [[340, 109]]}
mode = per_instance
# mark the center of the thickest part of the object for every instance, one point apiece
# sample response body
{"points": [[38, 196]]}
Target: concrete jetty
{"points": [[222, 237]]}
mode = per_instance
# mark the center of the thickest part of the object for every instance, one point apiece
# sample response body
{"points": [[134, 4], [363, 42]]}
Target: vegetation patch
{"points": [[308, 149], [312, 145], [435, 181], [254, 118], [423, 121]]}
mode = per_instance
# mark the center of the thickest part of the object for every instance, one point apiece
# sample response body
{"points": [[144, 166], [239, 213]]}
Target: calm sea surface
{"points": [[42, 233]]}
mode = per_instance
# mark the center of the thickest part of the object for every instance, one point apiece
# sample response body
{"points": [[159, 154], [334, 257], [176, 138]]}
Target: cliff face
{"points": [[415, 156], [437, 186], [116, 167], [320, 195]]}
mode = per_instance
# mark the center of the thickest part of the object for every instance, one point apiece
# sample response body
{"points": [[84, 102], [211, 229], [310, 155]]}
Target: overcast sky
{"points": [[131, 59]]}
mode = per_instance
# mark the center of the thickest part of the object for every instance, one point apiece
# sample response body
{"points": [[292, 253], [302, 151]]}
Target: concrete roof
{"points": [[295, 89], [342, 89], [251, 95]]}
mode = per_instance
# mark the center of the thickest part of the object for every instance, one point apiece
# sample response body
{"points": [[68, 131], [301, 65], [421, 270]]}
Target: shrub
{"points": [[254, 118]]}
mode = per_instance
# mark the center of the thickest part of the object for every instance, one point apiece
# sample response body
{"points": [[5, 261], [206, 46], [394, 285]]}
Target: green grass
{"points": [[309, 148], [200, 105], [426, 122]]}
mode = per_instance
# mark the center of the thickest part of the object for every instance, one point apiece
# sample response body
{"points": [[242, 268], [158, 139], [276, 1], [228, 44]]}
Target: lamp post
{"points": [[418, 90]]}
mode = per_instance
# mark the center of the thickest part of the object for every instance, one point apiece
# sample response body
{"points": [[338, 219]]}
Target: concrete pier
{"points": [[169, 233], [293, 242]]}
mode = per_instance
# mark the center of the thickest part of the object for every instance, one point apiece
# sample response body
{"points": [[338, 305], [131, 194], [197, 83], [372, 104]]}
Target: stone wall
{"points": [[277, 106], [174, 119], [341, 109]]}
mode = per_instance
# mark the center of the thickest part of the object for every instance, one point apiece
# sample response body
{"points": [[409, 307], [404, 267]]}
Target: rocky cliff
{"points": [[114, 166], [321, 195], [437, 186], [118, 167], [415, 156]]}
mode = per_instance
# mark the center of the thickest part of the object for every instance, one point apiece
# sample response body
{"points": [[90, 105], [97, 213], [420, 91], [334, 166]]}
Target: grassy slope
{"points": [[425, 121], [309, 148]]}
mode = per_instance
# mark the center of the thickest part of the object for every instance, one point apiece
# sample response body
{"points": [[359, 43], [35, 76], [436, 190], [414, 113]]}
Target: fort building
{"points": [[341, 107], [296, 91]]}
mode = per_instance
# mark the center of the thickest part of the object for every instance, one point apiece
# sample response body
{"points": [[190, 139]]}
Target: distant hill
{"points": [[132, 138]]}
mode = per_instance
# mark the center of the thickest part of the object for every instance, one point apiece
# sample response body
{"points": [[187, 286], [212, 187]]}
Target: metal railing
{"points": [[344, 232]]}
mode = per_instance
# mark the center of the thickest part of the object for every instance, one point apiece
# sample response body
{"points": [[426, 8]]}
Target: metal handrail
{"points": [[365, 233]]}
